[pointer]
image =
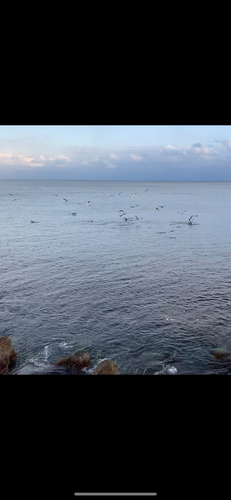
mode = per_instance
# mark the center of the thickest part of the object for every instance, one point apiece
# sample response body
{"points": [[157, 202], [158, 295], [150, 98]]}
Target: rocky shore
{"points": [[78, 363], [73, 364]]}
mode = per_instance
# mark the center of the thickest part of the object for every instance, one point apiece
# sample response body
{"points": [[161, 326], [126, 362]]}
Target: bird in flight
{"points": [[182, 212], [146, 190], [73, 213], [191, 219], [88, 203], [65, 199]]}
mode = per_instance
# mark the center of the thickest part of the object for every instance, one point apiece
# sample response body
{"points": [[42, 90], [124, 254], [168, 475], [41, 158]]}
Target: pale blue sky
{"points": [[116, 152]]}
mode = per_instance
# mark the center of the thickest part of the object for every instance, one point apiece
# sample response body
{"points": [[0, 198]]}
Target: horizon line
{"points": [[114, 180]]}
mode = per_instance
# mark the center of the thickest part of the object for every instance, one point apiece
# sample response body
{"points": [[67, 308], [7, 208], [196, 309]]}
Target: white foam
{"points": [[90, 370], [65, 345], [46, 352], [160, 372], [35, 362], [172, 370]]}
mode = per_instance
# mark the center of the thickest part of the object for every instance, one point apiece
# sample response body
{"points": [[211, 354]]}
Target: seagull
{"points": [[181, 213], [55, 194], [190, 222], [120, 193], [10, 194], [125, 219], [121, 210], [132, 206], [65, 199], [34, 221], [122, 214], [137, 218], [88, 204], [157, 208], [146, 190], [73, 213]]}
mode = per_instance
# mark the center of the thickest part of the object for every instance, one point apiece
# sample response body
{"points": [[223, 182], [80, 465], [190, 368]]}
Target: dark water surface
{"points": [[151, 293]]}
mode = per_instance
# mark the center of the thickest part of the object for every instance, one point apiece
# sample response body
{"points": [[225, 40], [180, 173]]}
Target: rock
{"points": [[221, 353], [107, 367], [81, 359], [7, 354]]}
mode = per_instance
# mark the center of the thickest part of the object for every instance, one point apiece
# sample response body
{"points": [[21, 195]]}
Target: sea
{"points": [[115, 268]]}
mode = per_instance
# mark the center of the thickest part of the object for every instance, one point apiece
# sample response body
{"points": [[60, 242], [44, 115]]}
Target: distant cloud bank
{"points": [[210, 161]]}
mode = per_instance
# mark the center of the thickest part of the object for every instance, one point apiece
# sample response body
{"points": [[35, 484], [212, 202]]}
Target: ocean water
{"points": [[153, 293]]}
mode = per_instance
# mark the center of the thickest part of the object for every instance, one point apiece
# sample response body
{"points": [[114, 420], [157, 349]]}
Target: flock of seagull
{"points": [[123, 213]]}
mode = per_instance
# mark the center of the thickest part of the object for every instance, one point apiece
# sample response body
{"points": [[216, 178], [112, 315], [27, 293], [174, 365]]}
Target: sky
{"points": [[116, 152]]}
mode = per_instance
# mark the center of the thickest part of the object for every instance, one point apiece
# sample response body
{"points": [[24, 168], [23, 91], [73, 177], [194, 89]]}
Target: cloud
{"points": [[170, 154], [197, 145], [24, 161], [115, 157], [166, 162], [136, 157], [199, 150], [5, 155], [226, 144], [63, 158], [109, 165]]}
